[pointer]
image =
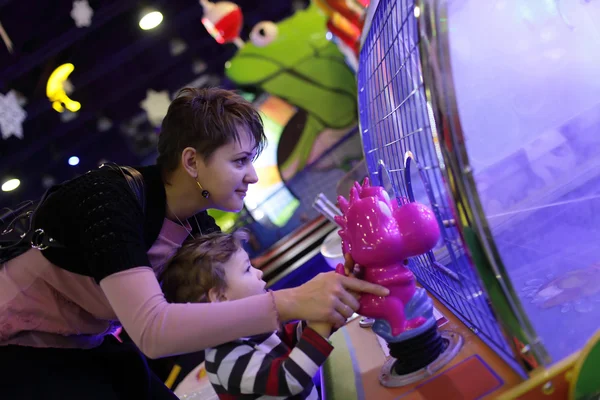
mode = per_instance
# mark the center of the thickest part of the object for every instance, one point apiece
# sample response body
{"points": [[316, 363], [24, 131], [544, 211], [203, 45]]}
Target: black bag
{"points": [[16, 234]]}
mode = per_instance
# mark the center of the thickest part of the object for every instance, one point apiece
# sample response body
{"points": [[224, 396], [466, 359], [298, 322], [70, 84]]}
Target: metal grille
{"points": [[395, 119]]}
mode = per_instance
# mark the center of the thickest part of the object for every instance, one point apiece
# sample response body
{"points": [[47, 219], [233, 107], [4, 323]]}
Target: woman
{"points": [[59, 305]]}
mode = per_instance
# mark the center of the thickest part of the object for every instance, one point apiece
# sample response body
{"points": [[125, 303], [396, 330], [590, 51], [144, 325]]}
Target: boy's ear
{"points": [[216, 296]]}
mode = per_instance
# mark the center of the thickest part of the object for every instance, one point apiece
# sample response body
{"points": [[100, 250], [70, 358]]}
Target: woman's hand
{"points": [[328, 297]]}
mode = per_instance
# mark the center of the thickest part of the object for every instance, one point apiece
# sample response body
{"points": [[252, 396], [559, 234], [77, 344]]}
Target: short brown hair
{"points": [[198, 267], [205, 119]]}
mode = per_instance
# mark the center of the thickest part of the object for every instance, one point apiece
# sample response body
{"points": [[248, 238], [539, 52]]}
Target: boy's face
{"points": [[243, 280]]}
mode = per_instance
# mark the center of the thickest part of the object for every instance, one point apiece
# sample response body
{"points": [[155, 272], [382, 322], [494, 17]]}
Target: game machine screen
{"points": [[269, 201], [481, 121]]}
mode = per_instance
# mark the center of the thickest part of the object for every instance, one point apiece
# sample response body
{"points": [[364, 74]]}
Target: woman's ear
{"points": [[189, 160], [216, 296]]}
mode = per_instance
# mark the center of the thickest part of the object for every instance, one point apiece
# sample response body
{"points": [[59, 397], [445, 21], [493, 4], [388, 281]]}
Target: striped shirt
{"points": [[278, 365]]}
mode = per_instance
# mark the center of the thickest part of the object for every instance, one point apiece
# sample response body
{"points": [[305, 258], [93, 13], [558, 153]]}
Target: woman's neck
{"points": [[183, 199]]}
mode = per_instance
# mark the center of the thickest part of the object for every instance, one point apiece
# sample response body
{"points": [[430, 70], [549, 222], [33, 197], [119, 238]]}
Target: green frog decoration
{"points": [[295, 60]]}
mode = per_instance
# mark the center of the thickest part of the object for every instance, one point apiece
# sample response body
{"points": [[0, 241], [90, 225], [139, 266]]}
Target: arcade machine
{"points": [[269, 199], [479, 122]]}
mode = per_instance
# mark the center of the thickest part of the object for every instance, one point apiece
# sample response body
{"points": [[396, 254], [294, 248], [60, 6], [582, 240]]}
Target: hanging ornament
{"points": [[47, 181], [199, 66], [68, 116], [57, 88], [6, 39], [21, 99], [224, 21], [11, 116], [82, 13], [177, 47], [104, 124], [156, 105]]}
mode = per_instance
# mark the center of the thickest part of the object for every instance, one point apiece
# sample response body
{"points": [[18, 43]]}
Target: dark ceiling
{"points": [[115, 64]]}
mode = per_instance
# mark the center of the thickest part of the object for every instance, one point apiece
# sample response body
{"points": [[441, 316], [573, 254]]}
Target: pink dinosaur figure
{"points": [[381, 235]]}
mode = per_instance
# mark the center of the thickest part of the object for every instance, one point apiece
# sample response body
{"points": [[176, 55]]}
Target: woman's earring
{"points": [[205, 193]]}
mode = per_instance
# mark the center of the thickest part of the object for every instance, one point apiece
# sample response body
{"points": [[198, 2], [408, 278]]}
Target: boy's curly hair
{"points": [[198, 267]]}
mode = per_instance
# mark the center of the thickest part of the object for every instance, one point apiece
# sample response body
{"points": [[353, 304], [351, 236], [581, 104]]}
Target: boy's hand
{"points": [[322, 328], [351, 268]]}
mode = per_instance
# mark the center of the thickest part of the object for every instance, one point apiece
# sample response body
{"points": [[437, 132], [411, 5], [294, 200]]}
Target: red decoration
{"points": [[223, 20], [345, 19]]}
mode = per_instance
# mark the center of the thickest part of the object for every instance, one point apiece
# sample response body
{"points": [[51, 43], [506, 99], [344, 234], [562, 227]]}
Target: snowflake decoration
{"points": [[11, 116], [82, 13], [6, 39], [177, 47], [199, 66], [156, 105], [104, 124], [68, 116]]}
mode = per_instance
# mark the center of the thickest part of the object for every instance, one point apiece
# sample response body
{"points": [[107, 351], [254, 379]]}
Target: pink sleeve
{"points": [[162, 329]]}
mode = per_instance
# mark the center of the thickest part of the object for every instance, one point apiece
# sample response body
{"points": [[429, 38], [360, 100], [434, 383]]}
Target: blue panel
{"points": [[527, 87], [305, 273]]}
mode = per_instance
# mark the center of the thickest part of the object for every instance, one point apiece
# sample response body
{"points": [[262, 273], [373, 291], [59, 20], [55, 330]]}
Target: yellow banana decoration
{"points": [[55, 89]]}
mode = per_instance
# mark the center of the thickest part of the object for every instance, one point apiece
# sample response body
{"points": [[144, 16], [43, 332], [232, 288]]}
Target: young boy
{"points": [[216, 268]]}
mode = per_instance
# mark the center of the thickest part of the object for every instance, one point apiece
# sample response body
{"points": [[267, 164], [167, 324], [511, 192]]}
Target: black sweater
{"points": [[101, 224]]}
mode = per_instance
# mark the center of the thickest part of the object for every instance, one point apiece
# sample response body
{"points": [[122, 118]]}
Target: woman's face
{"points": [[228, 173]]}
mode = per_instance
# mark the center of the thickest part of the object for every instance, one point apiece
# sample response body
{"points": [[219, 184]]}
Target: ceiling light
{"points": [[73, 160], [10, 184], [151, 20]]}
